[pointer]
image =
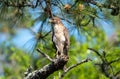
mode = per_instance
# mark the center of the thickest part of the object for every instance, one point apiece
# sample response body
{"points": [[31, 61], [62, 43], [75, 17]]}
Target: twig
{"points": [[100, 4], [73, 66], [114, 61], [45, 55], [46, 34], [117, 73], [96, 53], [68, 21], [36, 4]]}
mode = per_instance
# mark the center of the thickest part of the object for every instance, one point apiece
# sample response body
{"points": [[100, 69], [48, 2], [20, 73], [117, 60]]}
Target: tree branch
{"points": [[117, 73], [19, 5], [100, 5], [45, 55], [47, 70], [96, 52], [114, 61], [48, 6], [73, 66]]}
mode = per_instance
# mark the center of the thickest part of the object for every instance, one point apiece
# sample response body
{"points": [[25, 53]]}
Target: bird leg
{"points": [[57, 54]]}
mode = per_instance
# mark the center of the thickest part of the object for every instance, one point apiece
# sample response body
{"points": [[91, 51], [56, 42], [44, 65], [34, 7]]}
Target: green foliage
{"points": [[82, 16], [18, 62]]}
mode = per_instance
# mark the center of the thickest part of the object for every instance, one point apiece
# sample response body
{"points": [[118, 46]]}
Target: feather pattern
{"points": [[60, 37]]}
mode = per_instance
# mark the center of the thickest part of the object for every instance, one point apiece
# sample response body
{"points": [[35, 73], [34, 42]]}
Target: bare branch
{"points": [[45, 55], [114, 61], [73, 66], [96, 52]]}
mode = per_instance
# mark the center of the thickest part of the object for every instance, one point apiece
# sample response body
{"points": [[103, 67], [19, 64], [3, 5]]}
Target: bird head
{"points": [[55, 20]]}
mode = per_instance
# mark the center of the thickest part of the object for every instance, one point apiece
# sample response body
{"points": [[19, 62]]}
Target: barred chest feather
{"points": [[59, 34]]}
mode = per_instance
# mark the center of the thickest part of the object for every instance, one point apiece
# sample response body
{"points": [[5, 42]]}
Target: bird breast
{"points": [[59, 33]]}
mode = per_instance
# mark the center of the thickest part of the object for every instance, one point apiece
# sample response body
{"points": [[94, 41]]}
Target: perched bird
{"points": [[60, 37]]}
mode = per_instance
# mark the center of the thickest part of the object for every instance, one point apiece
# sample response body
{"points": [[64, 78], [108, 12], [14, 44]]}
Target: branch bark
{"points": [[47, 70]]}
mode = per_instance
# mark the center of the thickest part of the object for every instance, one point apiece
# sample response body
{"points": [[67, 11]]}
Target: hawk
{"points": [[60, 37]]}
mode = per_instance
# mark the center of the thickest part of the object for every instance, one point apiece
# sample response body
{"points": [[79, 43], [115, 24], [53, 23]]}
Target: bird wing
{"points": [[66, 33], [67, 41]]}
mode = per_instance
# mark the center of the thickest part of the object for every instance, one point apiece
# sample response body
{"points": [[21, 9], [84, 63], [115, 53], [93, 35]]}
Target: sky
{"points": [[23, 37]]}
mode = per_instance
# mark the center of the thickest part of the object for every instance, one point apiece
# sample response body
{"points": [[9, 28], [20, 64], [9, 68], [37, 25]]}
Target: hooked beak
{"points": [[50, 20]]}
